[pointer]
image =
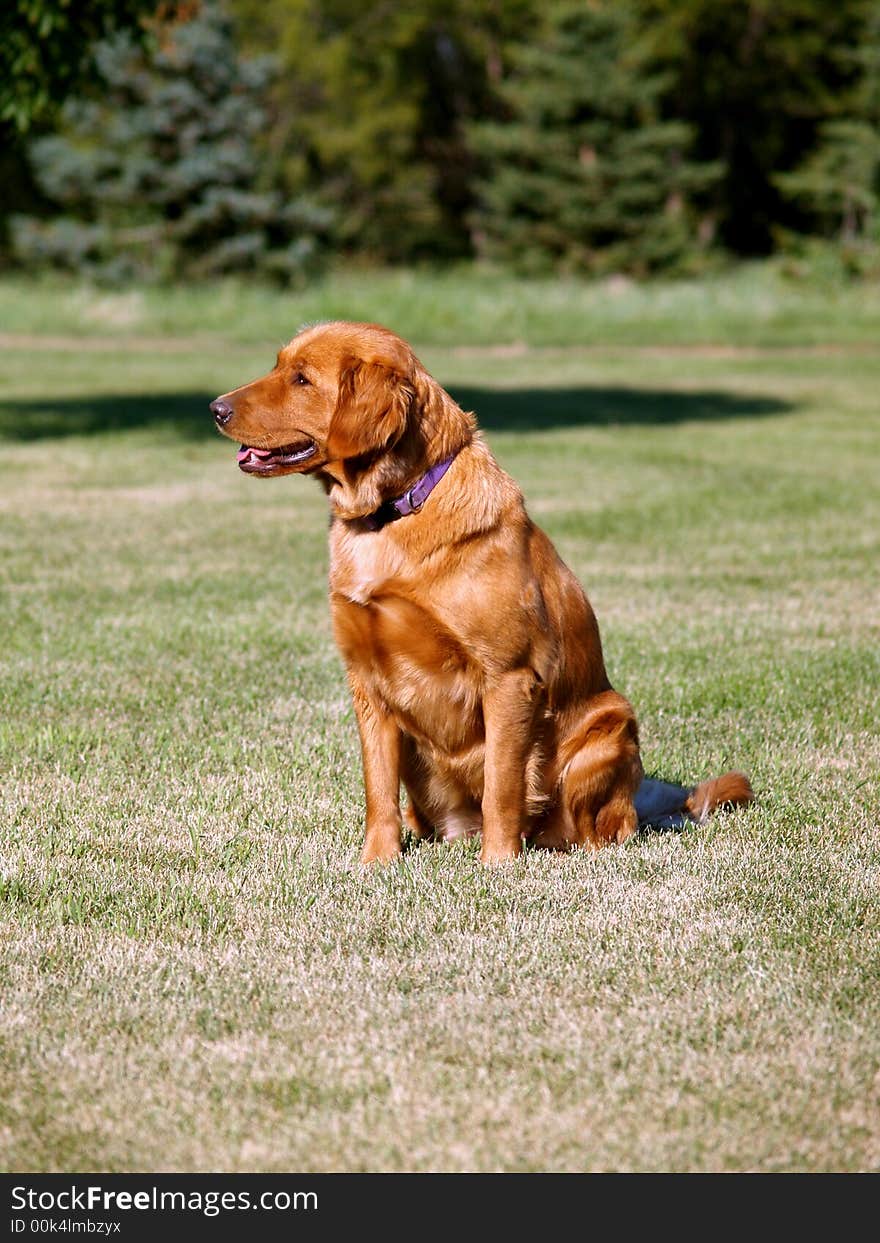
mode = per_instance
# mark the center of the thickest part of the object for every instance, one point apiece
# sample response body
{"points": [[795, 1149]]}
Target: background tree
{"points": [[46, 49], [583, 171], [593, 135], [839, 182], [372, 104], [46, 52], [755, 79], [159, 174]]}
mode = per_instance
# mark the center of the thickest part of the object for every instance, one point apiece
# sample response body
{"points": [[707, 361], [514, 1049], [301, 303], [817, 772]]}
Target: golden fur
{"points": [[473, 655]]}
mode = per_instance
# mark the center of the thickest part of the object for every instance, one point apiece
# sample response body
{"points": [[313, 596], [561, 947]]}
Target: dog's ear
{"points": [[372, 407]]}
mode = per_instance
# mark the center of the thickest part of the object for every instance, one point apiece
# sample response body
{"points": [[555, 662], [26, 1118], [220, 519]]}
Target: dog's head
{"points": [[338, 392]]}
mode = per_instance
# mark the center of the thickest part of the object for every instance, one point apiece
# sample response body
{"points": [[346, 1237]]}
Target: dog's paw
{"points": [[499, 854], [380, 852]]}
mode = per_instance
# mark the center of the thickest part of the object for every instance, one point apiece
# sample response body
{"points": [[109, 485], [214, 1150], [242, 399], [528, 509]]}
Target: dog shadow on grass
{"points": [[185, 415]]}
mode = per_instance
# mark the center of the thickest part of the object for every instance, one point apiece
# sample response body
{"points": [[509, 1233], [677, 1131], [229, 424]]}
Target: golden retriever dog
{"points": [[472, 652]]}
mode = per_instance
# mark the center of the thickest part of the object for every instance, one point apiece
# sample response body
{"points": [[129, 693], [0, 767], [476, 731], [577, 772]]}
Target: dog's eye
{"points": [[299, 378]]}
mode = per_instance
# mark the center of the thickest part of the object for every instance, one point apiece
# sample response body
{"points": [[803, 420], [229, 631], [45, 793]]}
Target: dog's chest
{"points": [[363, 566], [401, 652], [391, 629]]}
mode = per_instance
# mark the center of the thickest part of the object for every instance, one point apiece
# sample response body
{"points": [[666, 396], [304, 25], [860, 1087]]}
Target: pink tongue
{"points": [[246, 452]]}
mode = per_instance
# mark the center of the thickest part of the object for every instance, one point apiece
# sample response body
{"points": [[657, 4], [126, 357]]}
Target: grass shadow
{"points": [[185, 415], [182, 415], [544, 409]]}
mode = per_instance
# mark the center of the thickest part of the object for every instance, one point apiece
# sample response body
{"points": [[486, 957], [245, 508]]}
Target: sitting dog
{"points": [[473, 655]]}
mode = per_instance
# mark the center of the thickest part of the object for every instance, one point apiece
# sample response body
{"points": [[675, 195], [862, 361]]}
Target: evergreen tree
{"points": [[756, 79], [160, 175], [839, 182], [583, 173], [372, 104]]}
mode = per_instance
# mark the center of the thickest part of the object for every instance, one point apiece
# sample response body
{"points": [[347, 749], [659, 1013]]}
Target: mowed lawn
{"points": [[195, 972]]}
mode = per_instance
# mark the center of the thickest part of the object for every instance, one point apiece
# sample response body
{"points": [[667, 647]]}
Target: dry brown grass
{"points": [[196, 975]]}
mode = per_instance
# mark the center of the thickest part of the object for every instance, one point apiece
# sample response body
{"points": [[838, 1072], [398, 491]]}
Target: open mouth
{"points": [[271, 461]]}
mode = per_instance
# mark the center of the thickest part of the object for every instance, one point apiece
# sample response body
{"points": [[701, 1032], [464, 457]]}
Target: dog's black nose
{"points": [[221, 411]]}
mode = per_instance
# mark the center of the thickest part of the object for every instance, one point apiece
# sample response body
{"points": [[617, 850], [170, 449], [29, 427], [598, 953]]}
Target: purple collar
{"points": [[412, 500]]}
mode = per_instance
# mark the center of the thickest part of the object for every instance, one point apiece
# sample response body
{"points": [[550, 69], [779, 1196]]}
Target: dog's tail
{"points": [[728, 790], [666, 806]]}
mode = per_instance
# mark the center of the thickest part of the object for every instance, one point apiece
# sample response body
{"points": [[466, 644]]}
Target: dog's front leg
{"points": [[380, 755], [509, 708]]}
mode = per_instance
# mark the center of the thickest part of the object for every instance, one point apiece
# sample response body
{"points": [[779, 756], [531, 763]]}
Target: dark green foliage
{"points": [[46, 50], [579, 135], [372, 102], [839, 182], [584, 172], [159, 174], [756, 79]]}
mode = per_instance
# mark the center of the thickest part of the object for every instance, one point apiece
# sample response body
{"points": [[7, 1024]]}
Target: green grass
{"points": [[194, 972], [467, 306]]}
